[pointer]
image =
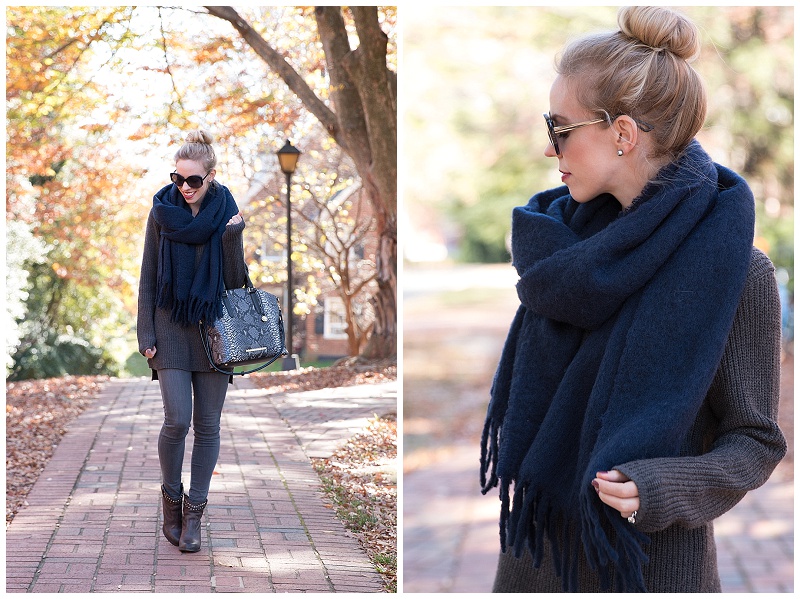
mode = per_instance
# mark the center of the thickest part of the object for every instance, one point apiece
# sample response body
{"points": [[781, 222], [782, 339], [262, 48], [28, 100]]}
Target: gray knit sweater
{"points": [[178, 346], [733, 447]]}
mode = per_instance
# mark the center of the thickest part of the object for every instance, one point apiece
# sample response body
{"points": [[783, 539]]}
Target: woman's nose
{"points": [[550, 151]]}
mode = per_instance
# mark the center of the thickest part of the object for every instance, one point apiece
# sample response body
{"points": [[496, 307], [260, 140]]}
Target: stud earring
{"points": [[619, 152]]}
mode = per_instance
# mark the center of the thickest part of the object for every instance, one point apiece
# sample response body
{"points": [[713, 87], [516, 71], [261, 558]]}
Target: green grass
{"points": [[277, 365], [387, 564]]}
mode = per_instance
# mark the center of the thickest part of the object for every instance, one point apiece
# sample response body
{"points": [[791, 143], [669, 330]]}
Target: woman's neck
{"points": [[644, 171]]}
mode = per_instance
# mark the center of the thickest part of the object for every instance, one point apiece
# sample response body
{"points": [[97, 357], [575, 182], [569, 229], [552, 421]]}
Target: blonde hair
{"points": [[198, 148], [642, 71]]}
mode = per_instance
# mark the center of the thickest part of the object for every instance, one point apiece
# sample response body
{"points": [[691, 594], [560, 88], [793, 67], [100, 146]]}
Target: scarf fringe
{"points": [[189, 311], [626, 555], [528, 520], [490, 450], [534, 520]]}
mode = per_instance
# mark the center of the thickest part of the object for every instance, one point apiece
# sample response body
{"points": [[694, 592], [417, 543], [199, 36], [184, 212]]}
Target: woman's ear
{"points": [[211, 174], [627, 132]]}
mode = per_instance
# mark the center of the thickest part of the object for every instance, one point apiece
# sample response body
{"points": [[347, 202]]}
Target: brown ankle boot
{"points": [[190, 533], [173, 517]]}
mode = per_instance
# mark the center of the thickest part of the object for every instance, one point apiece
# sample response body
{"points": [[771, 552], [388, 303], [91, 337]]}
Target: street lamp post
{"points": [[288, 156]]}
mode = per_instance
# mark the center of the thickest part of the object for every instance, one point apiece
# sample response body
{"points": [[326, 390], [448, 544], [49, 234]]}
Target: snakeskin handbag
{"points": [[250, 331]]}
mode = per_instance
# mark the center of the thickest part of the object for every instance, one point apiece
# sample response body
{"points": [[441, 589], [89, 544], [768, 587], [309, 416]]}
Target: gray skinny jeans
{"points": [[209, 396]]}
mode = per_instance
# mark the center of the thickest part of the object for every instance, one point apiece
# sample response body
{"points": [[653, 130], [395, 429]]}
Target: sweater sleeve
{"points": [[145, 321], [743, 440], [234, 266]]}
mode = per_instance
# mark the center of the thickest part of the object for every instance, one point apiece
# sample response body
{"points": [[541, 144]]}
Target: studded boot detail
{"points": [[190, 533], [173, 518]]}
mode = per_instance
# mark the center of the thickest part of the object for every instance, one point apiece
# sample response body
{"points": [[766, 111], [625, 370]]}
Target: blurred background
{"points": [[476, 82]]}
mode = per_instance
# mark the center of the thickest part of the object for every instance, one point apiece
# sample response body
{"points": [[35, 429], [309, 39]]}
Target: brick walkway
{"points": [[92, 523]]}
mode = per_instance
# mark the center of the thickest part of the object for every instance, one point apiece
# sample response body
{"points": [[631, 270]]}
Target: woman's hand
{"points": [[235, 219], [150, 352], [617, 491]]}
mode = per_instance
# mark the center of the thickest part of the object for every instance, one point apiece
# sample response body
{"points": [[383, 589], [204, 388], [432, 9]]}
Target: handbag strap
{"points": [[254, 296]]}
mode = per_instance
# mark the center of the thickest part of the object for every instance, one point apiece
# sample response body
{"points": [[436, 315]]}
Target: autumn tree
{"points": [[363, 122], [66, 186]]}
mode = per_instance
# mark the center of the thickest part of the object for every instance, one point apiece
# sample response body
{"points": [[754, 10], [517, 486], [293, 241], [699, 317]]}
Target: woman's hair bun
{"points": [[661, 28], [198, 147], [199, 136]]}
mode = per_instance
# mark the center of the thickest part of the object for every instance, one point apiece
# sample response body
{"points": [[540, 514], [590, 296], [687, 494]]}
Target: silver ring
{"points": [[632, 517]]}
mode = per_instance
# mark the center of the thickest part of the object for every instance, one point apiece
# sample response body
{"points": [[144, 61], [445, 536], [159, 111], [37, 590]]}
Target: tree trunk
{"points": [[365, 104], [382, 343]]}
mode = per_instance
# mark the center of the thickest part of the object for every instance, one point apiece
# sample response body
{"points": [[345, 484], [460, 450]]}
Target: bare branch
{"points": [[281, 66], [178, 97]]}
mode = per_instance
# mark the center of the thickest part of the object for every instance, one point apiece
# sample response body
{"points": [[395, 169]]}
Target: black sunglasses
{"points": [[194, 181], [553, 132]]}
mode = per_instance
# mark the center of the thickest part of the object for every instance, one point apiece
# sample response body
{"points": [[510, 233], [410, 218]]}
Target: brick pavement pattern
{"points": [[93, 522]]}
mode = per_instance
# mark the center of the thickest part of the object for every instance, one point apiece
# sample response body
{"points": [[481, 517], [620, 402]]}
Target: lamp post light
{"points": [[288, 156]]}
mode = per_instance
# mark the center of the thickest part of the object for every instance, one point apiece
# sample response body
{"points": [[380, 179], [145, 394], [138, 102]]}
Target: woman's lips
{"points": [[564, 176]]}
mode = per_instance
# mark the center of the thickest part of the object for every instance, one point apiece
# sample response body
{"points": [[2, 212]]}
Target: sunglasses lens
{"points": [[551, 133], [194, 181]]}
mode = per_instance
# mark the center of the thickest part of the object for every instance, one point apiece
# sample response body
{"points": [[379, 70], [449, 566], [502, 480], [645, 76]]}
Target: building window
{"points": [[319, 323], [335, 319]]}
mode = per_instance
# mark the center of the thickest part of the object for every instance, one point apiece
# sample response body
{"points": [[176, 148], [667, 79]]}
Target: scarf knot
{"points": [[622, 322], [190, 285]]}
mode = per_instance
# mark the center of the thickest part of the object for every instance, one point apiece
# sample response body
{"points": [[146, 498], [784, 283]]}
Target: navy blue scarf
{"points": [[622, 324], [189, 288]]}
